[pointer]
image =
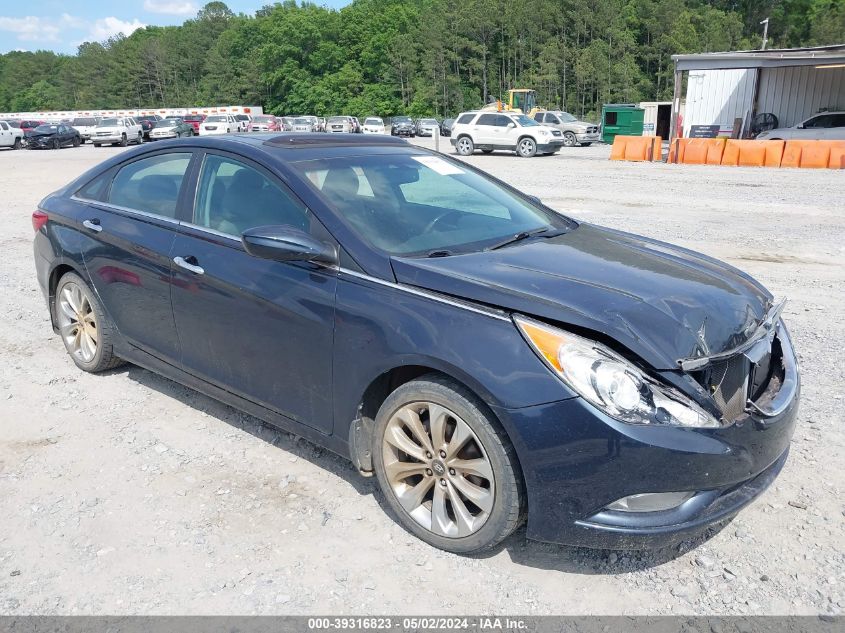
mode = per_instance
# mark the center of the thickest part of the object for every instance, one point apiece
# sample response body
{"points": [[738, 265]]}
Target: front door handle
{"points": [[189, 263], [92, 225]]}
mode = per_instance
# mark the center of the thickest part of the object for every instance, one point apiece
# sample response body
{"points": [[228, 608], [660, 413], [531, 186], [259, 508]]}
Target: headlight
{"points": [[610, 382], [543, 132]]}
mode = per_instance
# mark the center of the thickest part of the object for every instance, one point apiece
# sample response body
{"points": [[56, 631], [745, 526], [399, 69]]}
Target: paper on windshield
{"points": [[439, 165]]}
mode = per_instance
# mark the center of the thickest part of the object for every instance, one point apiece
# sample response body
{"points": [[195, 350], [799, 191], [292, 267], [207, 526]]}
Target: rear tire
{"points": [[76, 141], [97, 145], [17, 143], [465, 146], [87, 332], [487, 151], [462, 494], [585, 144]]}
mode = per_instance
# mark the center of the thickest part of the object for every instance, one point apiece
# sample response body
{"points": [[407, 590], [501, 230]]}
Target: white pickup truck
{"points": [[117, 131], [85, 126], [10, 136]]}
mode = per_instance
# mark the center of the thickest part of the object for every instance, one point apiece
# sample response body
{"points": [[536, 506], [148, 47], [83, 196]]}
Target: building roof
{"points": [[830, 56]]}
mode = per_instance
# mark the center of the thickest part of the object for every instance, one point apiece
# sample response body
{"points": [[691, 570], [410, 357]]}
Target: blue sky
{"points": [[61, 25]]}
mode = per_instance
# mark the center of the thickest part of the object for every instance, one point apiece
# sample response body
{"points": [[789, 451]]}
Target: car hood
{"points": [[34, 134], [661, 302]]}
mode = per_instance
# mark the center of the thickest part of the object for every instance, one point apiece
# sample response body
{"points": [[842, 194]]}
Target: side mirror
{"points": [[286, 244], [511, 125], [800, 126]]}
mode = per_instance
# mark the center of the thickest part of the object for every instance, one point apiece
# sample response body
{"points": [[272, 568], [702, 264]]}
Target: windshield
{"points": [[338, 119], [46, 128], [106, 122], [84, 122], [566, 117], [428, 122], [524, 121], [373, 121], [302, 121], [416, 204], [402, 119], [167, 123], [215, 119]]}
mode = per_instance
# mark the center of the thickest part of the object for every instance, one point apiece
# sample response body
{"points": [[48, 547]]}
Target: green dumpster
{"points": [[621, 118]]}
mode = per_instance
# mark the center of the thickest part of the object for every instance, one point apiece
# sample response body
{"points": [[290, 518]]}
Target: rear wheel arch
{"points": [[59, 271]]}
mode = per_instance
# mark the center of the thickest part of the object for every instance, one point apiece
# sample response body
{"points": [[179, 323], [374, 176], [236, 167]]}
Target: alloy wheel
{"points": [[77, 322], [438, 469], [569, 139], [527, 147], [465, 146]]}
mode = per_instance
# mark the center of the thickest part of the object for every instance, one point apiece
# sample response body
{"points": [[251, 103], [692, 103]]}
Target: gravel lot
{"points": [[126, 493]]}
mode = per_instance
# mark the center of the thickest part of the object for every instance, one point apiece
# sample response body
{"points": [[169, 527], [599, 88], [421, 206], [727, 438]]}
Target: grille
{"points": [[729, 384], [592, 130]]}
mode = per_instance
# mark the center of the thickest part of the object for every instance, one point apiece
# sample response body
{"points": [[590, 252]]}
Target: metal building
{"points": [[728, 89]]}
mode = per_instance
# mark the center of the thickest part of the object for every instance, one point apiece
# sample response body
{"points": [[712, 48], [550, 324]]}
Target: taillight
{"points": [[39, 219]]}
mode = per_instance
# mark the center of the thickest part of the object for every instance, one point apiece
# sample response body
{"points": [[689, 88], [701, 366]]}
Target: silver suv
{"points": [[489, 131], [574, 132]]}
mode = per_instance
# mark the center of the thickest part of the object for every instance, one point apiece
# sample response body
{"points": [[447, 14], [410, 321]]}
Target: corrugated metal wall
{"points": [[795, 93], [718, 97]]}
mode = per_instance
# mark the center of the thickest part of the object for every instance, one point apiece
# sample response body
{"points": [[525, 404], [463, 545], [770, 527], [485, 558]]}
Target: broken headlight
{"points": [[610, 382]]}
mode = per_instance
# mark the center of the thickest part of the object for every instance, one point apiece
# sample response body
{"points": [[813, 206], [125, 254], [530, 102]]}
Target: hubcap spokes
{"points": [[438, 470], [77, 322]]}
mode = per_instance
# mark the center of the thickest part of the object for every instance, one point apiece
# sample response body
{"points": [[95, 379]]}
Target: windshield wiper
{"points": [[522, 235], [438, 253]]}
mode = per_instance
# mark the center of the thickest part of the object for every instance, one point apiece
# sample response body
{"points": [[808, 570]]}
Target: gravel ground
{"points": [[126, 493]]}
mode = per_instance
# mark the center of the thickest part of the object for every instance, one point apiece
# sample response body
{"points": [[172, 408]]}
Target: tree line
{"points": [[416, 57]]}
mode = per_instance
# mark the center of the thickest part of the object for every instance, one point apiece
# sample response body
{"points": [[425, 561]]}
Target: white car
{"points": [[340, 125], [511, 131], [827, 126], [428, 127], [10, 136], [374, 125], [302, 124], [243, 122], [85, 126], [219, 124], [117, 131]]}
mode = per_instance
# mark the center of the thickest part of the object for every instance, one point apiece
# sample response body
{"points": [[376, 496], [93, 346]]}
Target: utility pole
{"points": [[765, 24]]}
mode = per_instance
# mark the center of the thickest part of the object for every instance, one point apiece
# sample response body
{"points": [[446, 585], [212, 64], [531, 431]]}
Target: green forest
{"points": [[417, 57]]}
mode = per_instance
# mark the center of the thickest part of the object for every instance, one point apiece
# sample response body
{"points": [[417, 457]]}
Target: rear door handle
{"points": [[183, 262], [92, 225]]}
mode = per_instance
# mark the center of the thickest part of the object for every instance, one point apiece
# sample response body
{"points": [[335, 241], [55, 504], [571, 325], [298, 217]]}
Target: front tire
{"points": [[446, 467], [465, 146], [123, 141], [56, 144], [526, 147], [17, 143], [86, 330], [569, 139]]}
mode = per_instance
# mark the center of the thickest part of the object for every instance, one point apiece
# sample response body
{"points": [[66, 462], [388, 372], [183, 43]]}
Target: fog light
{"points": [[650, 502]]}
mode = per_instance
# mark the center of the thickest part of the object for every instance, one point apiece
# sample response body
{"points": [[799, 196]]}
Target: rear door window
{"points": [[465, 119], [151, 184]]}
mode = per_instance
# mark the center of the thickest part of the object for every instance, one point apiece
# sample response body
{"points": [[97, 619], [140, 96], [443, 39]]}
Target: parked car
{"points": [[402, 126], [574, 132], [195, 120], [321, 124], [490, 131], [427, 127], [485, 357], [117, 131], [219, 124], [356, 125], [287, 123], [85, 126], [27, 125], [147, 123], [446, 127], [339, 124], [171, 127], [52, 136], [824, 126], [302, 124], [264, 123], [243, 122], [10, 136], [374, 125]]}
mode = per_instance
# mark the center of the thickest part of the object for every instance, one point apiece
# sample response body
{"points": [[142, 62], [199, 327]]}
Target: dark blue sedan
{"points": [[487, 358]]}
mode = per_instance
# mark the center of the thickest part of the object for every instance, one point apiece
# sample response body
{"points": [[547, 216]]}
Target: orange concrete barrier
{"points": [[752, 153], [636, 148], [814, 154], [697, 151]]}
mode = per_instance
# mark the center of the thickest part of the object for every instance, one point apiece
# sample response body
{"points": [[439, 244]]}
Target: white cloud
{"points": [[104, 28], [170, 7], [31, 28]]}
